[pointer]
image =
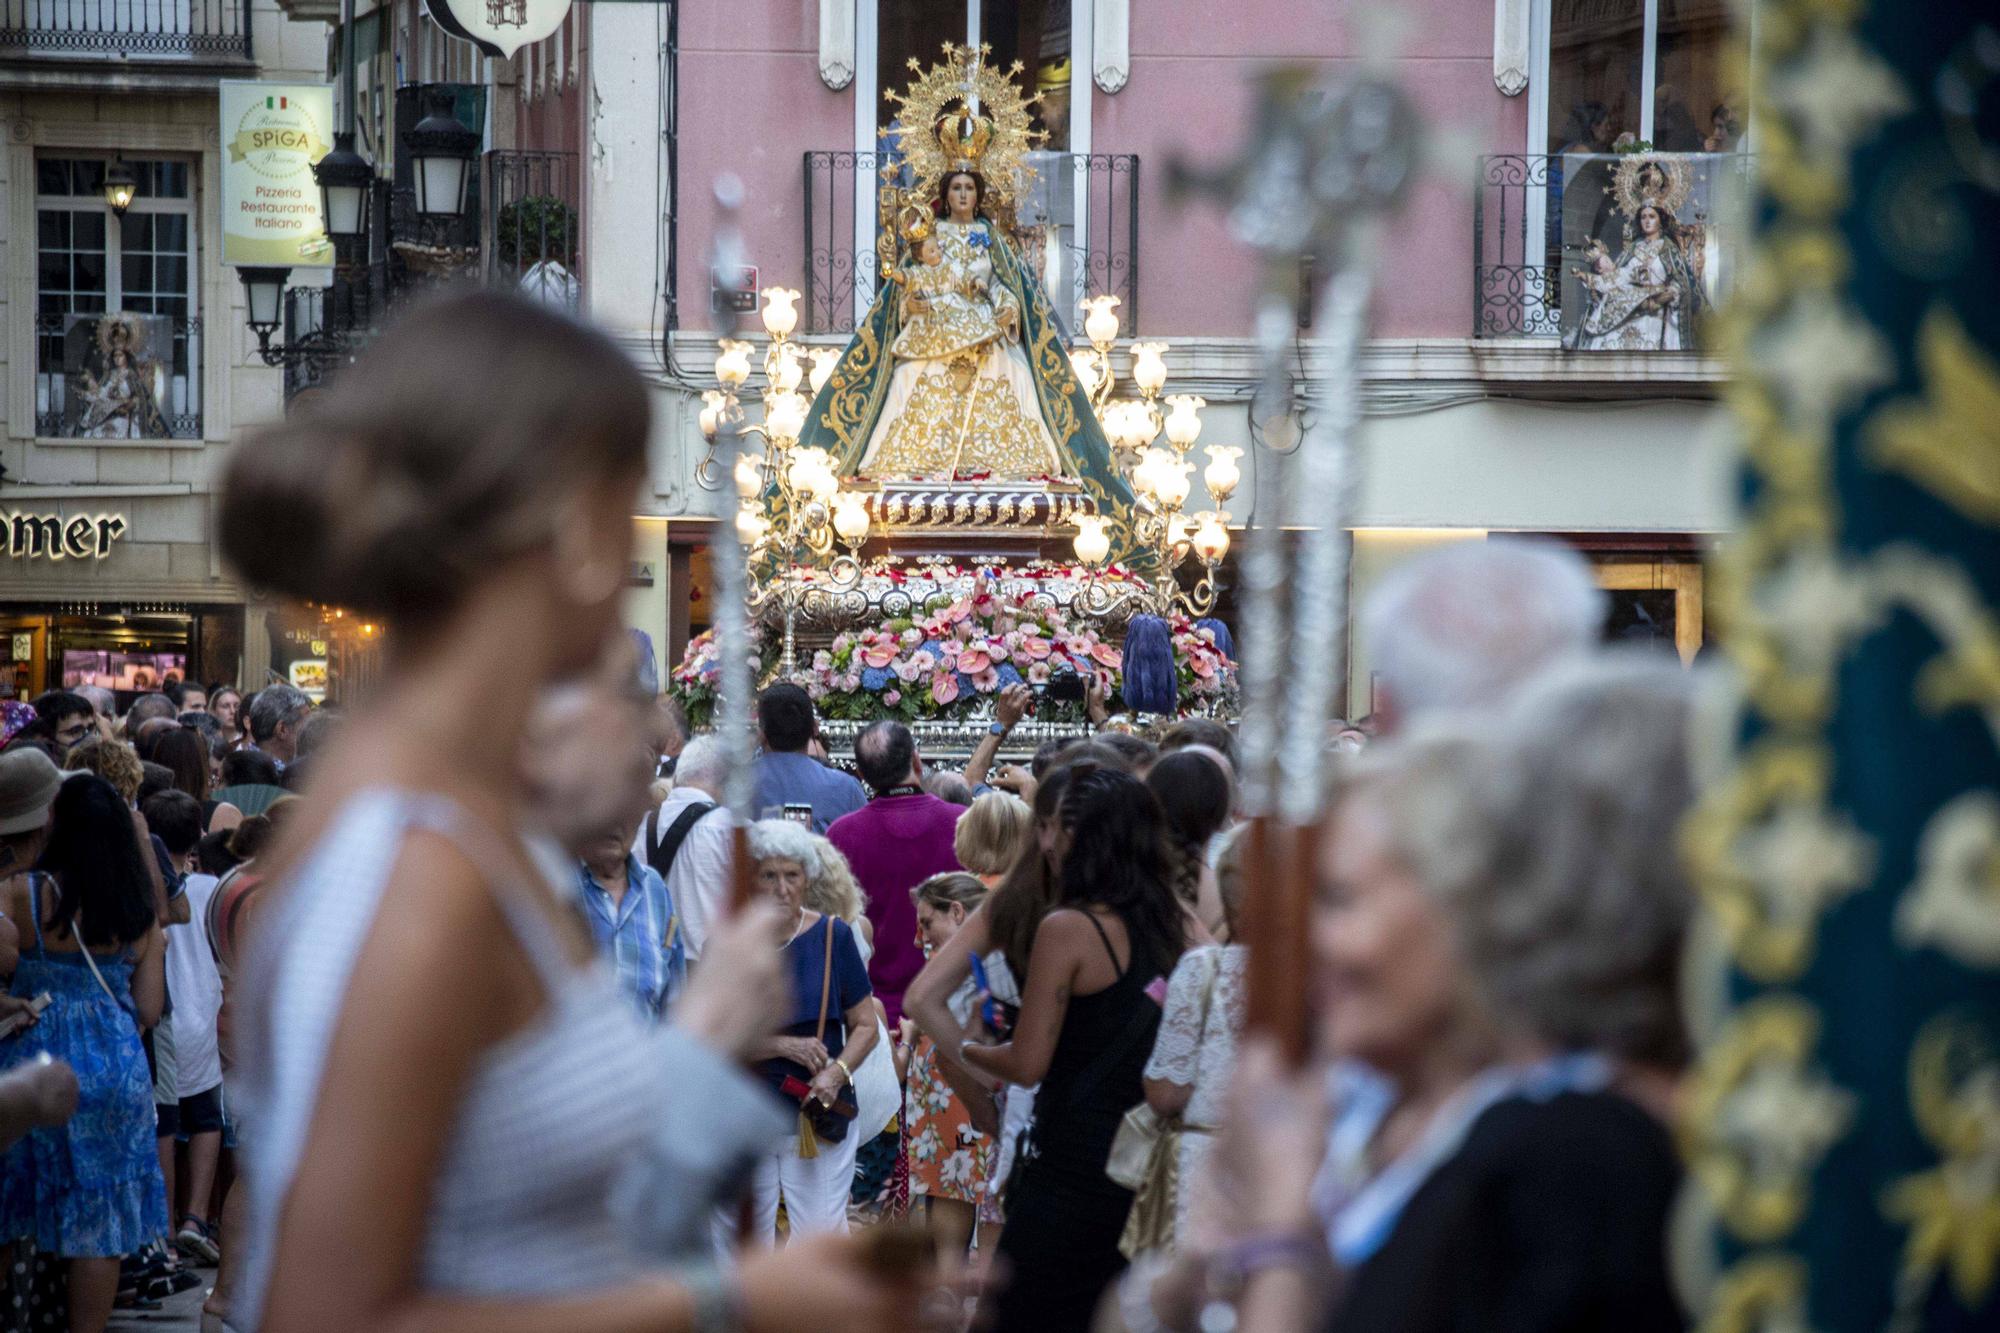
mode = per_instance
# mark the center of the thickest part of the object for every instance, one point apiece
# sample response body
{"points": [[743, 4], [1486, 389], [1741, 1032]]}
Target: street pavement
{"points": [[181, 1314]]}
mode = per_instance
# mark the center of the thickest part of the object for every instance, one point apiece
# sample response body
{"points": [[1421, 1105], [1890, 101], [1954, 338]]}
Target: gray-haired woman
{"points": [[813, 1056], [1493, 936]]}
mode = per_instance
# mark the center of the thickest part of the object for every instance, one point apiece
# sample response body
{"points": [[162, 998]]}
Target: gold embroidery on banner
{"points": [[1770, 858], [1761, 1116], [1952, 1210], [1948, 441], [1761, 1294]]}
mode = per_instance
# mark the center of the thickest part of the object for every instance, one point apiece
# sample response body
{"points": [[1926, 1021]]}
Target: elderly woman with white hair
{"points": [[1494, 938], [810, 1062]]}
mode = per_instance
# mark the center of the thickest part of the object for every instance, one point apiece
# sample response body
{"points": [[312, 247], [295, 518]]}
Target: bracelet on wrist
{"points": [[1242, 1261]]}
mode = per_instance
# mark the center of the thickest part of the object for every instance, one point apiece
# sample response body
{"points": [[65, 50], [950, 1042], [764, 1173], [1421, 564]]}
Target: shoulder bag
{"points": [[1146, 1156], [819, 1122]]}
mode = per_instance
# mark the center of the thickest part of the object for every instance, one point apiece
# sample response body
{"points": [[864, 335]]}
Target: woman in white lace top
{"points": [[1188, 1075]]}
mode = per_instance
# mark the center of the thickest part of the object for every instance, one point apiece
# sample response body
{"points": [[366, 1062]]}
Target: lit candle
{"points": [[786, 372], [713, 402], [811, 473], [732, 363], [1222, 474], [1084, 362], [1093, 543], [781, 316], [1149, 366], [785, 415], [1171, 480], [850, 518], [751, 524], [1184, 420], [749, 475], [1211, 536], [824, 359], [1100, 325]]}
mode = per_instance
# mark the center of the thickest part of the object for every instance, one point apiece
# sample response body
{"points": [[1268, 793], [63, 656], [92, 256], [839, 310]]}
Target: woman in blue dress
{"points": [[89, 1190]]}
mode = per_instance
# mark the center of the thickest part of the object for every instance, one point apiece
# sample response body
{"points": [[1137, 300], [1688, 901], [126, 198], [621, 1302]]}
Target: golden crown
{"points": [[964, 136], [917, 229], [961, 114]]}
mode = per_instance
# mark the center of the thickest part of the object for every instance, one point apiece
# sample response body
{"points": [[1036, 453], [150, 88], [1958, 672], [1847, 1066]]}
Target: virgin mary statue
{"points": [[961, 370]]}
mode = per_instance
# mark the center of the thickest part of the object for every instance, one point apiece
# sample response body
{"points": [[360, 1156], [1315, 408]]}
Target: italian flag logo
{"points": [[274, 104]]}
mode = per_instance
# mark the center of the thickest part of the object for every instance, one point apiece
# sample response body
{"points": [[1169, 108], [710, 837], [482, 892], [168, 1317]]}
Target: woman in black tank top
{"points": [[1085, 1040]]}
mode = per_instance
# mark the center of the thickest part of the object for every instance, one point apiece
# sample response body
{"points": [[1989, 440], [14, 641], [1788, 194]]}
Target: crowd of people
{"points": [[451, 1019], [120, 818]]}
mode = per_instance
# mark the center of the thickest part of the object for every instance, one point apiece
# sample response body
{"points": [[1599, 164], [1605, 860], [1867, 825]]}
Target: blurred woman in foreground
{"points": [[1495, 937], [442, 1089]]}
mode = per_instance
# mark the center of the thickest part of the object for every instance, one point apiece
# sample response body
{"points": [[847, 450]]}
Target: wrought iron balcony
{"points": [[534, 240], [126, 375], [197, 31], [1083, 212]]}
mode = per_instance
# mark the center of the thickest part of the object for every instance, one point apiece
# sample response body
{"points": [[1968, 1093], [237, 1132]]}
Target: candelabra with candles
{"points": [[1160, 477], [792, 514]]}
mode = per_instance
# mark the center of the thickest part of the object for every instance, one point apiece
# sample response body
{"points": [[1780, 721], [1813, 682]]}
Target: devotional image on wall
{"points": [[1643, 260], [118, 375]]}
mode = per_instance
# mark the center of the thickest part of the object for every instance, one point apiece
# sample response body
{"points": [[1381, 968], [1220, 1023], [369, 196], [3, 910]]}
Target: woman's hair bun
{"points": [[449, 445]]}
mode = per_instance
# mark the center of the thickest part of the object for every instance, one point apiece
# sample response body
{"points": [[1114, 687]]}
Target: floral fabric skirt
{"points": [[949, 1159]]}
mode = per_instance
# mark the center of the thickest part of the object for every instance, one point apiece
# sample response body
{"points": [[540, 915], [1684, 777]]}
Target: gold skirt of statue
{"points": [[973, 414]]}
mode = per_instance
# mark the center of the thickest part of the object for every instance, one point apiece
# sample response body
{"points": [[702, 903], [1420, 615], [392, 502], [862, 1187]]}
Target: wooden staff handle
{"points": [[1279, 879], [742, 870], [742, 892]]}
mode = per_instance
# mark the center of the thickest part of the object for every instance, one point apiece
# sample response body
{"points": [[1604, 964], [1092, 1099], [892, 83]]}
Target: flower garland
{"points": [[946, 661]]}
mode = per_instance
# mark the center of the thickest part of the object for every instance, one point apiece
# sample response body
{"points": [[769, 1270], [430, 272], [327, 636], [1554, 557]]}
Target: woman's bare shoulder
{"points": [[1065, 926]]}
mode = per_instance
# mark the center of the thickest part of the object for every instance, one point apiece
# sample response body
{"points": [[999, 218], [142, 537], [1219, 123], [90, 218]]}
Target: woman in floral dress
{"points": [[951, 1163]]}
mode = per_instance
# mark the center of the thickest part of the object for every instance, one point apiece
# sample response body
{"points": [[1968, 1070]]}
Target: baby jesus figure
{"points": [[945, 308]]}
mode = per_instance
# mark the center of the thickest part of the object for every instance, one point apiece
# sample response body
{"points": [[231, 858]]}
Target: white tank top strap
{"points": [[480, 844]]}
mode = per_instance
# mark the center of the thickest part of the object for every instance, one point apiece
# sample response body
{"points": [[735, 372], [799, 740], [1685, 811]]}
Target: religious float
{"points": [[958, 500]]}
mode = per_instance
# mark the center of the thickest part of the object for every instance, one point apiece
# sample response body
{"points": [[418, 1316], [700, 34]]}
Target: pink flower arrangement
{"points": [[948, 658]]}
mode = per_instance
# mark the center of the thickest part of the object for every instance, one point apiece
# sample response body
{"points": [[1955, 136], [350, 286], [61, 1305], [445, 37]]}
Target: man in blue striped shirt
{"points": [[633, 921]]}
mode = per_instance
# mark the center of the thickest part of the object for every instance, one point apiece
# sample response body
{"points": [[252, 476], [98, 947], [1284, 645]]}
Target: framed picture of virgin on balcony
{"points": [[1645, 258], [117, 376]]}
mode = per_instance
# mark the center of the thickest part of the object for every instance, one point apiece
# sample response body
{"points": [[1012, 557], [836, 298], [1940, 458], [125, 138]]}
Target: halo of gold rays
{"points": [[965, 82], [1671, 190]]}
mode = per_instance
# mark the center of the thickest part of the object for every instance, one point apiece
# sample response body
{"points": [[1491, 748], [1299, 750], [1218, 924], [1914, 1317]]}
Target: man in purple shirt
{"points": [[895, 842]]}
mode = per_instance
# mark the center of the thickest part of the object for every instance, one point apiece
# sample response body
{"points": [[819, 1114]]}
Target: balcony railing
{"points": [[166, 30], [1514, 291], [1531, 227], [534, 239], [1081, 218], [132, 376]]}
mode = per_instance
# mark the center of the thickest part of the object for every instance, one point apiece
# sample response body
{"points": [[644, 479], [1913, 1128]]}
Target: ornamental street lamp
{"points": [[120, 187], [441, 153], [264, 294], [346, 184]]}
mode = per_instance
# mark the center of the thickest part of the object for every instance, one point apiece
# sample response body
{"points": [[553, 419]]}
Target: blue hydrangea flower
{"points": [[1009, 675], [876, 679]]}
